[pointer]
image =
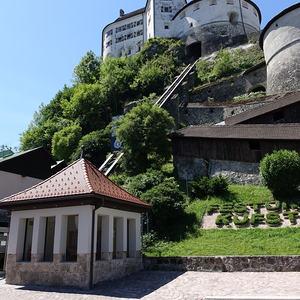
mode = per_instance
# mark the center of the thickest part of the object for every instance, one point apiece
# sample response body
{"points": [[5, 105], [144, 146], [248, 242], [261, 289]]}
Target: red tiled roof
{"points": [[81, 178]]}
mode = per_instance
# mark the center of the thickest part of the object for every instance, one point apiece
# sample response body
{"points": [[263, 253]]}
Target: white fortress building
{"points": [[204, 25]]}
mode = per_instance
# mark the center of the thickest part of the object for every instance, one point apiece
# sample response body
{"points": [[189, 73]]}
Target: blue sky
{"points": [[43, 40]]}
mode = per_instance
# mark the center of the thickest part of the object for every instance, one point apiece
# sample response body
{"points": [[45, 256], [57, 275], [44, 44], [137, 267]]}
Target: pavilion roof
{"points": [[79, 180]]}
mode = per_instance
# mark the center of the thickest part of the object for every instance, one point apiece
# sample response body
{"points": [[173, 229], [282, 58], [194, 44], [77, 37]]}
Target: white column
{"points": [[16, 235], [60, 235], [38, 237], [85, 231], [107, 233], [132, 237], [121, 234]]}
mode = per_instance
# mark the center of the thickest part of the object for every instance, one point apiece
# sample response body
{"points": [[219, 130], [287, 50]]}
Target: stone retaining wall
{"points": [[224, 263]]}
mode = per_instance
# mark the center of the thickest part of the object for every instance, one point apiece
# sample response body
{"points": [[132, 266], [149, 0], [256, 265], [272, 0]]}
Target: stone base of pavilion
{"points": [[69, 274]]}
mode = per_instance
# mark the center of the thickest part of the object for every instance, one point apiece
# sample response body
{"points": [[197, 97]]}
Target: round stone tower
{"points": [[280, 41], [208, 25]]}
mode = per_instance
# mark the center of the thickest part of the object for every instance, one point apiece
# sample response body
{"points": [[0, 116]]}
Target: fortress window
{"points": [[233, 18], [212, 2], [191, 25], [167, 9], [229, 1], [245, 4], [109, 43], [109, 33], [166, 26], [196, 6]]}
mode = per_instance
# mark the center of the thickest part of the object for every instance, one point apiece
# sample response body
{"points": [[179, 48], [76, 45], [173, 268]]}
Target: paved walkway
{"points": [[168, 285]]}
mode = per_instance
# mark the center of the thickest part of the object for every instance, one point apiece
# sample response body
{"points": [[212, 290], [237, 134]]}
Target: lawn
{"points": [[254, 241]]}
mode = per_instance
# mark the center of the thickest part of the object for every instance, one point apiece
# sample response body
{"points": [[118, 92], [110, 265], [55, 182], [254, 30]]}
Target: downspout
{"points": [[242, 17], [91, 284]]}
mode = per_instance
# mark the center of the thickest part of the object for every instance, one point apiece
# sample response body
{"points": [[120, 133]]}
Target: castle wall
{"points": [[164, 12], [215, 23], [125, 37], [281, 44]]}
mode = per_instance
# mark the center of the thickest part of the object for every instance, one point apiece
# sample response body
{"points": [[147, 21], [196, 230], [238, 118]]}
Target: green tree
{"points": [[144, 134], [116, 76], [65, 141], [96, 146], [88, 107], [48, 120], [88, 69]]}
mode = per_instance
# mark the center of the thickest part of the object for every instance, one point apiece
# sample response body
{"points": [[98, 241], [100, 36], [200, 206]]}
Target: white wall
{"points": [[212, 14], [13, 183], [115, 49], [84, 228]]}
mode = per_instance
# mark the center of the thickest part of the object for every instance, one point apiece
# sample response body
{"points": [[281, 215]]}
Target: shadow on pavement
{"points": [[135, 286]]}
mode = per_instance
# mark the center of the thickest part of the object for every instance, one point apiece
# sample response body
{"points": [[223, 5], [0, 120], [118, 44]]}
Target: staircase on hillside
{"points": [[166, 97]]}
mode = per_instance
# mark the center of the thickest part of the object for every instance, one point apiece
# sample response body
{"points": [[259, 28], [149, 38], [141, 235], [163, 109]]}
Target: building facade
{"points": [[76, 228], [205, 25]]}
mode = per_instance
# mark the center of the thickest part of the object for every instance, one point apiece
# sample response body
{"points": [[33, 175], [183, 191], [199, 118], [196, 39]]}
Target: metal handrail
{"points": [[170, 90]]}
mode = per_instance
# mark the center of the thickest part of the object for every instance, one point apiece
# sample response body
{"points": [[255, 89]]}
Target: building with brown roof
{"points": [[19, 171], [233, 151], [74, 229]]}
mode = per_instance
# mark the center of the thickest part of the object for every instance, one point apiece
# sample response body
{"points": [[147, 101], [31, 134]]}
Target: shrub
{"points": [[291, 215], [203, 186], [223, 219], [271, 206], [212, 208], [239, 222], [219, 185], [168, 208], [256, 219], [200, 187], [226, 208], [273, 218], [240, 208], [143, 182], [280, 172]]}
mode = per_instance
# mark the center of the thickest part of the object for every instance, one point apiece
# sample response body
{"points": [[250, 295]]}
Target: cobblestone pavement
{"points": [[168, 285]]}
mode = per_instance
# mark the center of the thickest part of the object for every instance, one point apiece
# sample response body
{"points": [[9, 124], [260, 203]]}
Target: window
{"points": [[49, 238], [115, 239], [212, 2], [28, 240], [131, 237], [167, 9], [72, 238], [109, 33], [191, 25], [245, 4], [99, 238], [229, 1], [166, 26], [233, 18]]}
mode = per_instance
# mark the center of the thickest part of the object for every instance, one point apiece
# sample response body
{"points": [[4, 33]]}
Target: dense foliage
{"points": [[144, 135], [228, 63], [99, 92], [280, 172], [202, 187]]}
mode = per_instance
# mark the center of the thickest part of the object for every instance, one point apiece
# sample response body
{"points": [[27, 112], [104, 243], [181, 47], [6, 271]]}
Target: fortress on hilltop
{"points": [[204, 25]]}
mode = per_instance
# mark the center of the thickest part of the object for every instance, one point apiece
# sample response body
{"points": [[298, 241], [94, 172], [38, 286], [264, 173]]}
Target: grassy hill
{"points": [[245, 241]]}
